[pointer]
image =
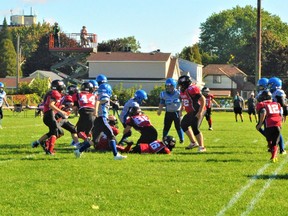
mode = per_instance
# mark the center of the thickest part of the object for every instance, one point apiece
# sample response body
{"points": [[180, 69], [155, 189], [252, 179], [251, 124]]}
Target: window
{"points": [[216, 79]]}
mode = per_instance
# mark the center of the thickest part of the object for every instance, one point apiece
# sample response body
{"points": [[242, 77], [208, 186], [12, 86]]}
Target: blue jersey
{"points": [[171, 101], [124, 114], [103, 109]]}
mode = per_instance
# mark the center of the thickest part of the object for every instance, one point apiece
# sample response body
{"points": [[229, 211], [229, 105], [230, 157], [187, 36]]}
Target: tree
{"points": [[4, 33], [191, 54], [29, 37], [232, 33], [7, 53], [8, 63], [42, 59], [120, 44]]}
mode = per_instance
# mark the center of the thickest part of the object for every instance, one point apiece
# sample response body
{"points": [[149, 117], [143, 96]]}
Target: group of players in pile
{"points": [[96, 127]]}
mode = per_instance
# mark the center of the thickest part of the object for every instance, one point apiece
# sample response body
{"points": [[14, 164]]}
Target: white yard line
{"points": [[243, 189], [265, 187]]}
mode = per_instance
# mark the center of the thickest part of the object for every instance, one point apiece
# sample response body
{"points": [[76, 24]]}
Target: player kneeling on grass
{"points": [[141, 123], [155, 147], [270, 115]]}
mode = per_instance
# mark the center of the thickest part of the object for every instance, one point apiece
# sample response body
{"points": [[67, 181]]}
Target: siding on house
{"points": [[144, 70]]}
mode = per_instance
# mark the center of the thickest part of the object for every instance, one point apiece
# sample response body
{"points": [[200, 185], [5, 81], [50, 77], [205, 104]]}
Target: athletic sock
{"points": [[112, 144]]}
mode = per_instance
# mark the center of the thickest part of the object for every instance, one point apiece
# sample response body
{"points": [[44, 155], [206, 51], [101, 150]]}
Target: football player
{"points": [[86, 101], [170, 98], [2, 99], [155, 147], [194, 104], [279, 96], [102, 143], [270, 115], [139, 97], [141, 123], [66, 104], [101, 123], [209, 101], [52, 106]]}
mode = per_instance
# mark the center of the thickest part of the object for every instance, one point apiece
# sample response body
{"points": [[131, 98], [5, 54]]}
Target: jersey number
{"points": [[84, 99], [273, 108], [154, 145]]}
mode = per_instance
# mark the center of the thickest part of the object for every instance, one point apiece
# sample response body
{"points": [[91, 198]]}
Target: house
{"points": [[140, 70], [226, 80], [194, 70], [10, 83], [46, 74]]}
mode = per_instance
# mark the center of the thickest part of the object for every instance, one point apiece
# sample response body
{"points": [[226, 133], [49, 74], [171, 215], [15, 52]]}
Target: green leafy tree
{"points": [[120, 44], [231, 33], [40, 86], [8, 63], [42, 59], [5, 33], [191, 54], [29, 37]]}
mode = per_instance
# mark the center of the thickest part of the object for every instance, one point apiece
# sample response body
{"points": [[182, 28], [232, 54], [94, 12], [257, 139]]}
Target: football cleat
{"points": [[77, 153], [192, 145], [35, 144], [119, 157], [201, 149]]}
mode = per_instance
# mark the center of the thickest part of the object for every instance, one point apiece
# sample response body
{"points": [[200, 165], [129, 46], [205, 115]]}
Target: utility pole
{"points": [[18, 63], [258, 44]]}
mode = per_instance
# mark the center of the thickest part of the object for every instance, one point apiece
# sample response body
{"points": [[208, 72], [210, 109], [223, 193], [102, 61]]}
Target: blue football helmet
{"points": [[170, 85], [105, 88], [140, 96], [94, 83], [101, 79], [262, 84], [274, 83], [1, 87]]}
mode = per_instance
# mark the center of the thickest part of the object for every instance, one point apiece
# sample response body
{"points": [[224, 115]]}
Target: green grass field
{"points": [[234, 176]]}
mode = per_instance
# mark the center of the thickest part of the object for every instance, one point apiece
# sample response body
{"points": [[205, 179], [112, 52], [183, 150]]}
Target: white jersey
{"points": [[124, 114], [278, 93], [172, 101], [2, 96]]}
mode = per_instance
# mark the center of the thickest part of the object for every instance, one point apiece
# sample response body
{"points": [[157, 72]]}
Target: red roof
{"points": [[222, 69], [128, 56], [10, 82]]}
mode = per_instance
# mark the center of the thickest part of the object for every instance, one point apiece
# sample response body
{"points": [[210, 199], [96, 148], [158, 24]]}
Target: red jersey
{"points": [[52, 95], [273, 113], [85, 99], [209, 99], [190, 98], [103, 144], [154, 148], [138, 121]]}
